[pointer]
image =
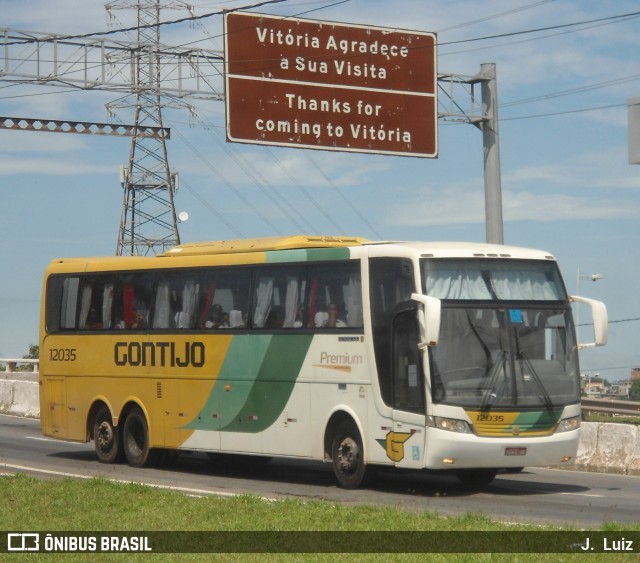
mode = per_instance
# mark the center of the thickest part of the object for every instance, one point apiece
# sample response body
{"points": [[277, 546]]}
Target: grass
{"points": [[613, 419], [102, 506]]}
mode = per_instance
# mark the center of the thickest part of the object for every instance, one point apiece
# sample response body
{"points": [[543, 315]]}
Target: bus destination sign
{"points": [[323, 85]]}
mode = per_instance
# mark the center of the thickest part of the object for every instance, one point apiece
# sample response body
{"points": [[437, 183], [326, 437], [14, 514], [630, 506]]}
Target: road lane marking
{"points": [[186, 490], [42, 439]]}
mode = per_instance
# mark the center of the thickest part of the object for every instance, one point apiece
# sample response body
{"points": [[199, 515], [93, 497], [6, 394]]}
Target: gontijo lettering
{"points": [[162, 354]]}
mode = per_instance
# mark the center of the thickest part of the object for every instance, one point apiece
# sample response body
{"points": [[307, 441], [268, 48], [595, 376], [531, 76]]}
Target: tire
{"points": [[107, 439], [476, 478], [135, 439], [347, 454]]}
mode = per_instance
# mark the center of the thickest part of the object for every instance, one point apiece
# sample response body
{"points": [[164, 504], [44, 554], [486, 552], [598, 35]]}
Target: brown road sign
{"points": [[323, 85], [307, 115]]}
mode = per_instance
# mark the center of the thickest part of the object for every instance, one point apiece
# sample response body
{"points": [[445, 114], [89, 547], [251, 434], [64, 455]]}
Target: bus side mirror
{"points": [[428, 318], [600, 321]]}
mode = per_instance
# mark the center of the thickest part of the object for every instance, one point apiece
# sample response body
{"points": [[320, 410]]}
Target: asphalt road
{"points": [[542, 496]]}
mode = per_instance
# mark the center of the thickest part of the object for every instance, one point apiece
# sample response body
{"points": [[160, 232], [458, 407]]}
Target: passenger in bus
{"points": [[329, 318], [93, 320], [216, 318], [275, 318], [335, 320], [138, 321], [320, 319]]}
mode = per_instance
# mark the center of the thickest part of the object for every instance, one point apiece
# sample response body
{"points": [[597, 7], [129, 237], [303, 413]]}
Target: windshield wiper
{"points": [[524, 361], [491, 395]]}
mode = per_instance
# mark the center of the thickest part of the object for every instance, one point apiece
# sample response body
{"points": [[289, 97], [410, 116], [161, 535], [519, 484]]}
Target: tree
{"points": [[634, 392], [34, 352]]}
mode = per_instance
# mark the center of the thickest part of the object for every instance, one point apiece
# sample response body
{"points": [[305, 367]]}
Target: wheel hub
{"points": [[104, 435], [348, 454]]}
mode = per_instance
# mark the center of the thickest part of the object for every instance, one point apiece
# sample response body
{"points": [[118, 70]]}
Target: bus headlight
{"points": [[450, 424], [568, 424]]}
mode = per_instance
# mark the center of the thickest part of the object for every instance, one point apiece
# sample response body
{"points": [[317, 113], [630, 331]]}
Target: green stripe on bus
{"points": [[254, 384], [237, 375], [537, 420], [274, 384], [308, 255]]}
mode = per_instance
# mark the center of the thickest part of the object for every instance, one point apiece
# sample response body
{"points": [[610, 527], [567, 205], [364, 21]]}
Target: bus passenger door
{"points": [[406, 444]]}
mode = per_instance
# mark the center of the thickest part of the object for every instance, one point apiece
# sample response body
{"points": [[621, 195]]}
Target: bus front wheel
{"points": [[106, 437], [347, 455], [135, 437]]}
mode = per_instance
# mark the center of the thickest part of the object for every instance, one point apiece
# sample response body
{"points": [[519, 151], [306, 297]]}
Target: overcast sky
{"points": [[567, 185]]}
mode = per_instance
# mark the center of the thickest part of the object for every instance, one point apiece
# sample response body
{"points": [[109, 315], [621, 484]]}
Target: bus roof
{"points": [[246, 251], [262, 244], [447, 249]]}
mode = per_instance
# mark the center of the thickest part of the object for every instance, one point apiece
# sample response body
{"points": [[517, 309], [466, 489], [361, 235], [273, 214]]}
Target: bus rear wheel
{"points": [[135, 438], [347, 455], [106, 437]]}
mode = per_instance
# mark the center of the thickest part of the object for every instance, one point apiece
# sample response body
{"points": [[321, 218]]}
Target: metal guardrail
{"points": [[12, 363], [11, 370], [612, 407]]}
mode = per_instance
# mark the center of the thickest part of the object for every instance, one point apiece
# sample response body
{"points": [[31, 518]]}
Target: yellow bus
{"points": [[435, 356]]}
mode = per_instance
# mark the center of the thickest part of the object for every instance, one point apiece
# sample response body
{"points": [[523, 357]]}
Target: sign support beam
{"points": [[491, 151]]}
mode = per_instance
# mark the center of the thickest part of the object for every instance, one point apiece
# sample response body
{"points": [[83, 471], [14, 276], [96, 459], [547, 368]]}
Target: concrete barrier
{"points": [[608, 447], [19, 398], [604, 447]]}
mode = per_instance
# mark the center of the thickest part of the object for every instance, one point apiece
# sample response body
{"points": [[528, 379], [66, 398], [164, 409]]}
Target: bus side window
{"points": [[69, 303], [279, 298], [96, 300], [187, 305], [131, 301], [175, 300], [263, 300], [224, 296], [335, 296], [62, 303], [162, 307]]}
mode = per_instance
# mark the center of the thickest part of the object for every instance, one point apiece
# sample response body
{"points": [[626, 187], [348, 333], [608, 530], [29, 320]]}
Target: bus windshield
{"points": [[492, 280], [506, 336]]}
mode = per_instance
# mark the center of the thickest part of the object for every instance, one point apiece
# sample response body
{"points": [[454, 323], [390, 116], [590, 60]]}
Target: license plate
{"points": [[515, 451]]}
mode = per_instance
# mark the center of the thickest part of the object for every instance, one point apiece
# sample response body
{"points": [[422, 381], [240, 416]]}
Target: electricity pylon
{"points": [[148, 223]]}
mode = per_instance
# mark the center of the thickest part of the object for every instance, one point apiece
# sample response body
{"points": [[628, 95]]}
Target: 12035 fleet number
{"points": [[62, 354], [489, 418]]}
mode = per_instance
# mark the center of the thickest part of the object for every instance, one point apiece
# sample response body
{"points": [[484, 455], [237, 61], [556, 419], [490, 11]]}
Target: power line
{"points": [[610, 368], [625, 320], [571, 91], [147, 26], [223, 179], [302, 189], [614, 322], [495, 16], [539, 29], [344, 198], [566, 112], [268, 2]]}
